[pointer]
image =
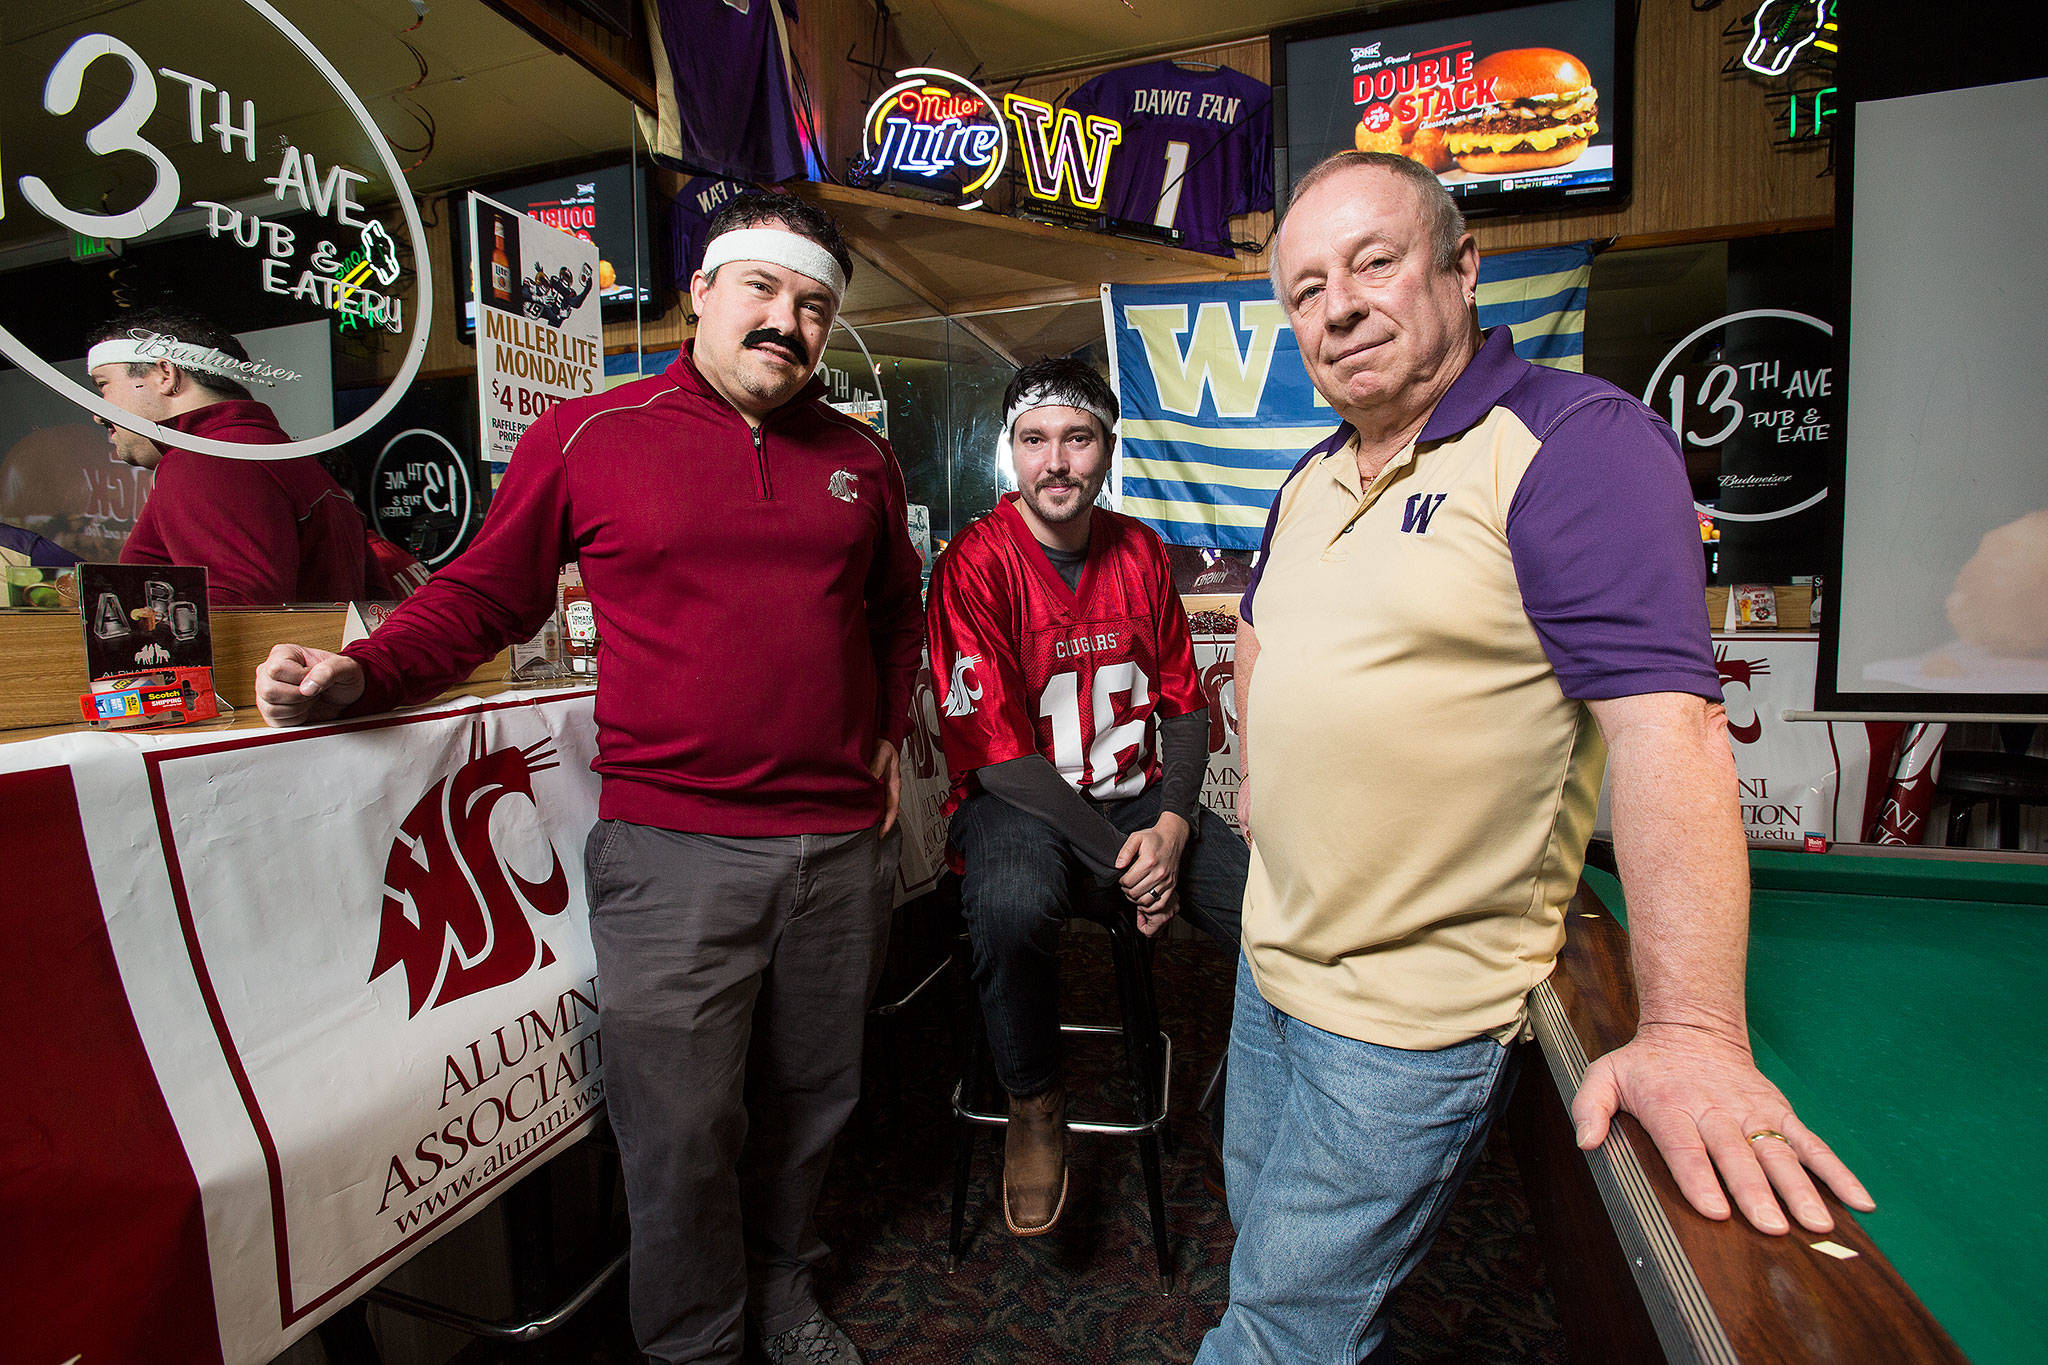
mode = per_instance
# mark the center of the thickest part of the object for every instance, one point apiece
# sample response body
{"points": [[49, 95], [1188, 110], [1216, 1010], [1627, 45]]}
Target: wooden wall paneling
{"points": [[1704, 160], [42, 657], [1251, 56], [826, 33], [1704, 163]]}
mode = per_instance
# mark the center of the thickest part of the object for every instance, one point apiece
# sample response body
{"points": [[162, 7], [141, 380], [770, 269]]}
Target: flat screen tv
{"points": [[1517, 107], [607, 206]]}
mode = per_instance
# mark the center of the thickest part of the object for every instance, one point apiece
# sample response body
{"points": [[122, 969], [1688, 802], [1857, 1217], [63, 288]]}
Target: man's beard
{"points": [[1082, 504]]}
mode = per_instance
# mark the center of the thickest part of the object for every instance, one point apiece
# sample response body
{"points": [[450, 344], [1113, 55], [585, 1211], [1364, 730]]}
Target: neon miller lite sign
{"points": [[933, 122]]}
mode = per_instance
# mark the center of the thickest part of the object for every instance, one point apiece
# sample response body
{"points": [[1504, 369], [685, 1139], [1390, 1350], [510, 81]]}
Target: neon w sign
{"points": [[1065, 155], [932, 123]]}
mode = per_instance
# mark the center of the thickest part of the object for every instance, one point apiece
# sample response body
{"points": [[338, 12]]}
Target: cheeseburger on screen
{"points": [[1524, 109]]}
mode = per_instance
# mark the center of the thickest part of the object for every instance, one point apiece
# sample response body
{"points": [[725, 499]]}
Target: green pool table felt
{"points": [[1899, 1005]]}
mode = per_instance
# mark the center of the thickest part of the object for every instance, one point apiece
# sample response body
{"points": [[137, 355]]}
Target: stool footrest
{"points": [[1127, 1128], [530, 1329]]}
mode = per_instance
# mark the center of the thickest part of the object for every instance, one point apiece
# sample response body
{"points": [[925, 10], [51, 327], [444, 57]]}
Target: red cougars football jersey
{"points": [[1025, 665]]}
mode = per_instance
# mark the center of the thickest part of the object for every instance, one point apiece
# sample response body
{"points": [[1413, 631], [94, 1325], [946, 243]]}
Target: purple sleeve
{"points": [[23, 546], [1606, 551]]}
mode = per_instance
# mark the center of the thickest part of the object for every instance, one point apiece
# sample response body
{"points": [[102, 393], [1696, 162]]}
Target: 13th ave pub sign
{"points": [[145, 129]]}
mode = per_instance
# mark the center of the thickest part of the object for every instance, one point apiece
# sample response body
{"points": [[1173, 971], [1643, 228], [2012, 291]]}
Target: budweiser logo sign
{"points": [[456, 912]]}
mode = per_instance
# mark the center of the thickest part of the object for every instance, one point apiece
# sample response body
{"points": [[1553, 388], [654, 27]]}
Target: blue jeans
{"points": [[1017, 890], [1341, 1159]]}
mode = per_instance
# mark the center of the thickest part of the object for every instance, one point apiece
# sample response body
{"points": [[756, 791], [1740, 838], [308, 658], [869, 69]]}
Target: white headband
{"points": [[146, 348], [1033, 399], [777, 246]]}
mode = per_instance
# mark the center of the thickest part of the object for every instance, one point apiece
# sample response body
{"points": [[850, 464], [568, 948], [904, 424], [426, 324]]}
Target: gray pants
{"points": [[734, 977]]}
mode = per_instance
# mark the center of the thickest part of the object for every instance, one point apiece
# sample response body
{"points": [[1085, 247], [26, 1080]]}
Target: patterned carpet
{"points": [[1087, 1292]]}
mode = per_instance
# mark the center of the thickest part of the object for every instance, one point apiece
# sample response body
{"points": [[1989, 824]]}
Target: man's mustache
{"points": [[793, 344]]}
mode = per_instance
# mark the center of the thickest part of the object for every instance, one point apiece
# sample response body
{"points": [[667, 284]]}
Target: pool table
{"points": [[1898, 1003]]}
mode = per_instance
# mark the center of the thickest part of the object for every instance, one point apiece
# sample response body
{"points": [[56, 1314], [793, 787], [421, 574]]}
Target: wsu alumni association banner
{"points": [[1216, 404], [302, 1001], [292, 1004]]}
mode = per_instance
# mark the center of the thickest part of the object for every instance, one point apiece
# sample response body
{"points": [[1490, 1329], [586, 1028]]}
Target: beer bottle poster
{"points": [[539, 338]]}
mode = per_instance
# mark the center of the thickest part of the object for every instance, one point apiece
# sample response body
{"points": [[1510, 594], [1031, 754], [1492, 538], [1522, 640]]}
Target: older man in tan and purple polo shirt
{"points": [[1482, 589]]}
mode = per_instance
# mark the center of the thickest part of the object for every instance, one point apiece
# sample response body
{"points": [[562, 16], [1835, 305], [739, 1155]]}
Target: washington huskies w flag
{"points": [[1216, 404]]}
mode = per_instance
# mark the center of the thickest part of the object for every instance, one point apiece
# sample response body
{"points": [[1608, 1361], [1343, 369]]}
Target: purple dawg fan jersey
{"points": [[1197, 147], [731, 89], [689, 222]]}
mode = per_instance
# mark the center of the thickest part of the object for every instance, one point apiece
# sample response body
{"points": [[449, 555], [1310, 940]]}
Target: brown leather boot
{"points": [[1035, 1163]]}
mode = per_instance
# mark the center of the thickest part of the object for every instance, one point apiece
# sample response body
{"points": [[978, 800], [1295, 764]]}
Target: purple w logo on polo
{"points": [[1421, 507]]}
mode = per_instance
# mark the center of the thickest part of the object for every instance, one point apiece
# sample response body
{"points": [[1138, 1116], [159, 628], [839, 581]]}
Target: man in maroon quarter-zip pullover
{"points": [[747, 553]]}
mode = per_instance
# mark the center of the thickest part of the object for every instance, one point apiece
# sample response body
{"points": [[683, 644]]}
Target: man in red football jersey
{"points": [[1060, 641]]}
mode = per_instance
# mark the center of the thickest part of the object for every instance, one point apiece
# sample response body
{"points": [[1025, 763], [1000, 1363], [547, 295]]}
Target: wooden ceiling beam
{"points": [[625, 64]]}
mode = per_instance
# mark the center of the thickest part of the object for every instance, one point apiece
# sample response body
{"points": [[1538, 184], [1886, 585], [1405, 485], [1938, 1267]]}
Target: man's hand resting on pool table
{"points": [[1698, 1096], [1688, 1075]]}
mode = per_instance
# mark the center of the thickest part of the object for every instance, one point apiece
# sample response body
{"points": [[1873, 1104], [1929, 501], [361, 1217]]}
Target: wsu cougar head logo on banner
{"points": [[455, 915], [920, 754], [1222, 697], [1741, 672]]}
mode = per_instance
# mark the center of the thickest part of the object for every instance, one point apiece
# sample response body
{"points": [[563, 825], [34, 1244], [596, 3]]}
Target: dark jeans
{"points": [[733, 979], [1018, 889]]}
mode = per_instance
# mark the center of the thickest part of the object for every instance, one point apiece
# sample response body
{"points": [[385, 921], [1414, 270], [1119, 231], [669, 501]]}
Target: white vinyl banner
{"points": [[1215, 666], [1793, 778], [306, 1000], [357, 960], [926, 783], [442, 969], [539, 330]]}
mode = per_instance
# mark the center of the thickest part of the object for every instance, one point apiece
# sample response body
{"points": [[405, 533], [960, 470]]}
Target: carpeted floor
{"points": [[1087, 1292]]}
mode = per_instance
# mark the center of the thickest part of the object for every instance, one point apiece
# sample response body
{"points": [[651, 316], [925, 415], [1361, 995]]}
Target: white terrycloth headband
{"points": [[777, 247], [1031, 400], [146, 348]]}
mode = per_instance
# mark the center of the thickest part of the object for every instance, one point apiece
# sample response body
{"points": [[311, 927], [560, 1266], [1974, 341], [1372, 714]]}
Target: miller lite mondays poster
{"points": [[540, 331]]}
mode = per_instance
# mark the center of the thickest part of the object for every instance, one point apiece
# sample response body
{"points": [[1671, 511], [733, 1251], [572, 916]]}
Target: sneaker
{"points": [[816, 1340]]}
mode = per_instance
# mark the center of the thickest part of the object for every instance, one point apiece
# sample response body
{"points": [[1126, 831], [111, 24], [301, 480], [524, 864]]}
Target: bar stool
{"points": [[530, 1243], [2008, 781], [1148, 1065], [922, 950]]}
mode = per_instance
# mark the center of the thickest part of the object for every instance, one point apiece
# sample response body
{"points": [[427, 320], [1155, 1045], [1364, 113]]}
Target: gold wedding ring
{"points": [[1770, 1133]]}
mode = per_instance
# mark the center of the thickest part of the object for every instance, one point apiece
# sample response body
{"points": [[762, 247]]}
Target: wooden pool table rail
{"points": [[1637, 1274]]}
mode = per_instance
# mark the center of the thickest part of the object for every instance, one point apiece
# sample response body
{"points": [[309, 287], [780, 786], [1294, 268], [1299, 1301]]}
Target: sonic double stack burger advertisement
{"points": [[1513, 109]]}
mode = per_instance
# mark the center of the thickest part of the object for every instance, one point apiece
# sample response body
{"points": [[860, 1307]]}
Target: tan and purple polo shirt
{"points": [[1424, 767]]}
